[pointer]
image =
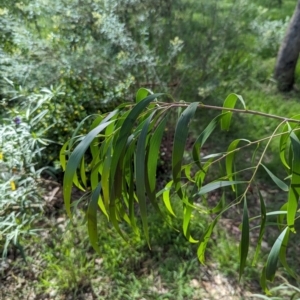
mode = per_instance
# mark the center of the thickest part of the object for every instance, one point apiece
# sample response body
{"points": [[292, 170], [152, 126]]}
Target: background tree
{"points": [[288, 54]]}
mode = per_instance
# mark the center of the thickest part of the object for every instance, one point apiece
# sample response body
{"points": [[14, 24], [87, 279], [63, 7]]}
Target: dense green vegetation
{"points": [[63, 61]]}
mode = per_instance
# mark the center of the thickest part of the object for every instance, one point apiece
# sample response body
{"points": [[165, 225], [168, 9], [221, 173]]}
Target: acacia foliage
{"points": [[125, 146], [105, 44]]}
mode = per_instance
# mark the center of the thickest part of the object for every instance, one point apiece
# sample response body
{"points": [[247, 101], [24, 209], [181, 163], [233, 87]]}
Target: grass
{"points": [[65, 264], [127, 271]]}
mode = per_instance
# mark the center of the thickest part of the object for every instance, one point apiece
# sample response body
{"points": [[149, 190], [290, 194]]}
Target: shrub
{"points": [[21, 146]]}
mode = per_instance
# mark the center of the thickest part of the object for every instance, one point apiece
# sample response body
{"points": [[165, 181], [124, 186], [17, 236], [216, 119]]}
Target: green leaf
{"points": [[124, 133], [106, 164], [294, 191], [131, 186], [216, 185], [263, 218], [204, 240], [203, 137], [263, 282], [94, 175], [230, 102], [92, 218], [230, 158], [214, 155], [180, 137], [276, 212], [272, 260], [141, 94], [166, 197], [74, 161], [96, 122], [77, 183], [282, 256], [83, 172], [187, 171], [140, 175], [187, 214], [200, 175], [284, 140], [276, 180], [102, 207], [117, 177], [62, 155], [153, 157], [244, 244]]}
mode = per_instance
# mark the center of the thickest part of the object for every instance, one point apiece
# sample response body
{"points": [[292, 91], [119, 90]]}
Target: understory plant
{"points": [[124, 148], [21, 145]]}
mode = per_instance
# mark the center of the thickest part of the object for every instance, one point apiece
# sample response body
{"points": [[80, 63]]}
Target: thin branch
{"points": [[236, 110]]}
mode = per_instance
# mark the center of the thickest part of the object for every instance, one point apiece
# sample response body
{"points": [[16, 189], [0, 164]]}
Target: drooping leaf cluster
{"points": [[125, 146]]}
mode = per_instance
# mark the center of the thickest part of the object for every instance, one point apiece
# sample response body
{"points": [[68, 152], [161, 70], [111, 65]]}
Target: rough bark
{"points": [[288, 54]]}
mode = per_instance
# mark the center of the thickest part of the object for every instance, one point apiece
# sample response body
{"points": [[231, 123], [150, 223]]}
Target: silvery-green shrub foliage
{"points": [[21, 146]]}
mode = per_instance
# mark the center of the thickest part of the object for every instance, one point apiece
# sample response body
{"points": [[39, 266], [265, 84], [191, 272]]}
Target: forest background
{"points": [[62, 61]]}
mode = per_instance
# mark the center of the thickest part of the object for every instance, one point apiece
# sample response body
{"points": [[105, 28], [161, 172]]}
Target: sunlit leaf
{"points": [[263, 282], [62, 155], [141, 94], [187, 171], [166, 198], [106, 163], [284, 138], [187, 214], [216, 185], [214, 155], [230, 102], [204, 240], [200, 175], [294, 191]]}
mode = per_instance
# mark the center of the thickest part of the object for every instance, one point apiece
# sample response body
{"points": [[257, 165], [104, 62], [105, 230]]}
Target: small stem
{"points": [[263, 154], [250, 144], [269, 138], [236, 110]]}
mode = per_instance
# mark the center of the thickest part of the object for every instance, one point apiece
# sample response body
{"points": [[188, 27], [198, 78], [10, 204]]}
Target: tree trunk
{"points": [[288, 54]]}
